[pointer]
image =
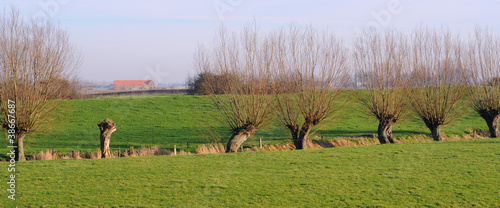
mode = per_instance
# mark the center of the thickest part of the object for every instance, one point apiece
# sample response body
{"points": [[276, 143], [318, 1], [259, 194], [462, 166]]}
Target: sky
{"points": [[156, 39]]}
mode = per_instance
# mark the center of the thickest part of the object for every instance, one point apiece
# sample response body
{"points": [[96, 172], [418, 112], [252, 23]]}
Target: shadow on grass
{"points": [[4, 157], [349, 133]]}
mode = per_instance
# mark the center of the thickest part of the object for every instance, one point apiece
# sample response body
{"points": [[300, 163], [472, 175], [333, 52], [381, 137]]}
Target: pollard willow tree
{"points": [[437, 81], [244, 58], [380, 61], [483, 64], [311, 68], [34, 57]]}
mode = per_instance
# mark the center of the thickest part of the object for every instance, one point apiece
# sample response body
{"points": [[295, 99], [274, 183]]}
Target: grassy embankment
{"points": [[171, 120]]}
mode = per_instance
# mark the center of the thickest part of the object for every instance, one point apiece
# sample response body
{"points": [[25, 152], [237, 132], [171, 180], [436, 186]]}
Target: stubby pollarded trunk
{"points": [[294, 131], [237, 139], [19, 145], [300, 141], [492, 119], [107, 127], [434, 128], [385, 132], [436, 133], [493, 127]]}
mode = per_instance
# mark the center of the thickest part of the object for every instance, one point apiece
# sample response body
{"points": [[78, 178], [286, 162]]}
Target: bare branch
{"points": [[381, 63], [312, 70], [437, 77], [245, 59], [483, 67]]}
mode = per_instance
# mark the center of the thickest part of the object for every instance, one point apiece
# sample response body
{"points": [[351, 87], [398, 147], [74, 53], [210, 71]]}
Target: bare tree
{"points": [[34, 57], [483, 64], [312, 71], [437, 77], [197, 84], [246, 102], [380, 60]]}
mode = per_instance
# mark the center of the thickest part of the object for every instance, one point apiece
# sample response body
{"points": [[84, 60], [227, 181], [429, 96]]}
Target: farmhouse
{"points": [[134, 84]]}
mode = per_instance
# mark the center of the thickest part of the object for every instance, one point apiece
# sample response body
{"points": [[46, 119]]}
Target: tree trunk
{"points": [[436, 133], [19, 146], [294, 131], [493, 127], [107, 127], [237, 139], [492, 121], [385, 132], [300, 141]]}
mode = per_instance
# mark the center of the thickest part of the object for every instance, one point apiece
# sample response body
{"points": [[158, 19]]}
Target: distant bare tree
{"points": [[198, 85], [483, 64], [35, 57], [380, 59], [312, 71], [245, 103], [437, 77]]}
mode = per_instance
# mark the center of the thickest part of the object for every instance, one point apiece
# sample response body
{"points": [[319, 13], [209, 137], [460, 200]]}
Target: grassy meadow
{"points": [[170, 120], [452, 173], [432, 174]]}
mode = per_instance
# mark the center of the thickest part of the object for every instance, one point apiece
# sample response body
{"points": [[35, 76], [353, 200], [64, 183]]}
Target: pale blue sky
{"points": [[156, 39]]}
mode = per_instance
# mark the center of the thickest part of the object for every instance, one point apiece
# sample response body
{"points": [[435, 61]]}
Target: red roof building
{"points": [[134, 84]]}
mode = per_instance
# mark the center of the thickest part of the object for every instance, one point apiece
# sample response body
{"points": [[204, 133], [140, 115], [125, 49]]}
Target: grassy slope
{"points": [[459, 173], [168, 120]]}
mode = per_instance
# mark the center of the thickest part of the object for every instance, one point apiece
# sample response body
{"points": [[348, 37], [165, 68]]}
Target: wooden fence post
{"points": [[132, 151], [175, 149]]}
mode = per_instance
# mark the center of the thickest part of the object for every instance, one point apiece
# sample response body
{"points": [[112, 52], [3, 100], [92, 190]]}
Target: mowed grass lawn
{"points": [[450, 174], [170, 120]]}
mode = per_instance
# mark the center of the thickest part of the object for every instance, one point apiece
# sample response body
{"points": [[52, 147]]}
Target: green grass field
{"points": [[448, 174], [460, 174], [171, 120]]}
